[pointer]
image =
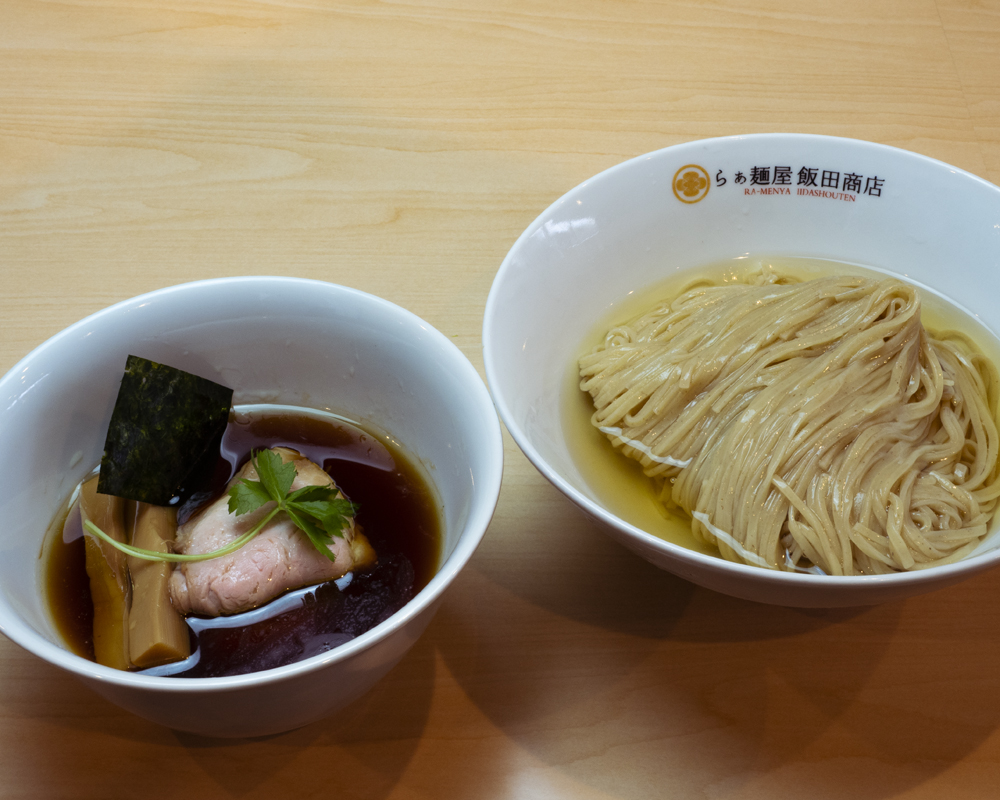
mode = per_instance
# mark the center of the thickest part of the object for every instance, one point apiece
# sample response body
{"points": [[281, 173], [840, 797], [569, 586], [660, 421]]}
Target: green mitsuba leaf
{"points": [[316, 510], [276, 476], [319, 537], [247, 496], [311, 493], [334, 523], [332, 514]]}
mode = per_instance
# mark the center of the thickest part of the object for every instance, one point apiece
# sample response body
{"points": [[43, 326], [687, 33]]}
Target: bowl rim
{"points": [[678, 553], [471, 535]]}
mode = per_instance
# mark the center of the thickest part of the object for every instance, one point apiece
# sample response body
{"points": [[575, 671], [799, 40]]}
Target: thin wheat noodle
{"points": [[810, 425]]}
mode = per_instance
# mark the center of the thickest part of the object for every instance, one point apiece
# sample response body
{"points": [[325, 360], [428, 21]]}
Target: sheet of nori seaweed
{"points": [[162, 426]]}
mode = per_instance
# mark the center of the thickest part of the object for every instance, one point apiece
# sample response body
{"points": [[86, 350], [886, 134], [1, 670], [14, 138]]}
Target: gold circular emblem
{"points": [[691, 183]]}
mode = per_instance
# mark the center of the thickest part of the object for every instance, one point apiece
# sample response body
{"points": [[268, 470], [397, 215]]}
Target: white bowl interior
{"points": [[273, 340], [625, 230]]}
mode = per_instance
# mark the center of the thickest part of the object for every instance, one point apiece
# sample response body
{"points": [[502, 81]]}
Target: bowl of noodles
{"points": [[766, 364], [383, 403]]}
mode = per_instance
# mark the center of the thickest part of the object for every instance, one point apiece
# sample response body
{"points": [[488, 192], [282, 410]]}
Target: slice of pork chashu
{"points": [[278, 559]]}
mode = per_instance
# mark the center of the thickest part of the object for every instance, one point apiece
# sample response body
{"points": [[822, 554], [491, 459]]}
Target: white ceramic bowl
{"points": [[695, 205], [275, 340]]}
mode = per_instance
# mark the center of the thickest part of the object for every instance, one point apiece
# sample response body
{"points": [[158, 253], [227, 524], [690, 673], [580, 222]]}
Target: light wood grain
{"points": [[400, 148]]}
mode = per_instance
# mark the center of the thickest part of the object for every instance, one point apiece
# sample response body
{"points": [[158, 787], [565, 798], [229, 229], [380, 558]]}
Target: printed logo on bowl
{"points": [[691, 182]]}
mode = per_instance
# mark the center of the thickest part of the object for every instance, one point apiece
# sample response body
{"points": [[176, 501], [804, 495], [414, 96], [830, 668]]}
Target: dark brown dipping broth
{"points": [[398, 514]]}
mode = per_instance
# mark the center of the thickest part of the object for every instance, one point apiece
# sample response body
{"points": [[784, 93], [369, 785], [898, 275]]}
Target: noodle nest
{"points": [[808, 426]]}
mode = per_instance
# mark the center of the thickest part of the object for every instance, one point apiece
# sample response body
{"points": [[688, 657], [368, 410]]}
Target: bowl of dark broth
{"points": [[767, 364], [370, 398]]}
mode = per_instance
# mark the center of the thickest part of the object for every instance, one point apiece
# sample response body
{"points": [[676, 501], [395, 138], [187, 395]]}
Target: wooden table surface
{"points": [[400, 148]]}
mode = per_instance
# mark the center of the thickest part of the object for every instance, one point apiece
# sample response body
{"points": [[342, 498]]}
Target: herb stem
{"points": [[316, 510], [153, 555]]}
